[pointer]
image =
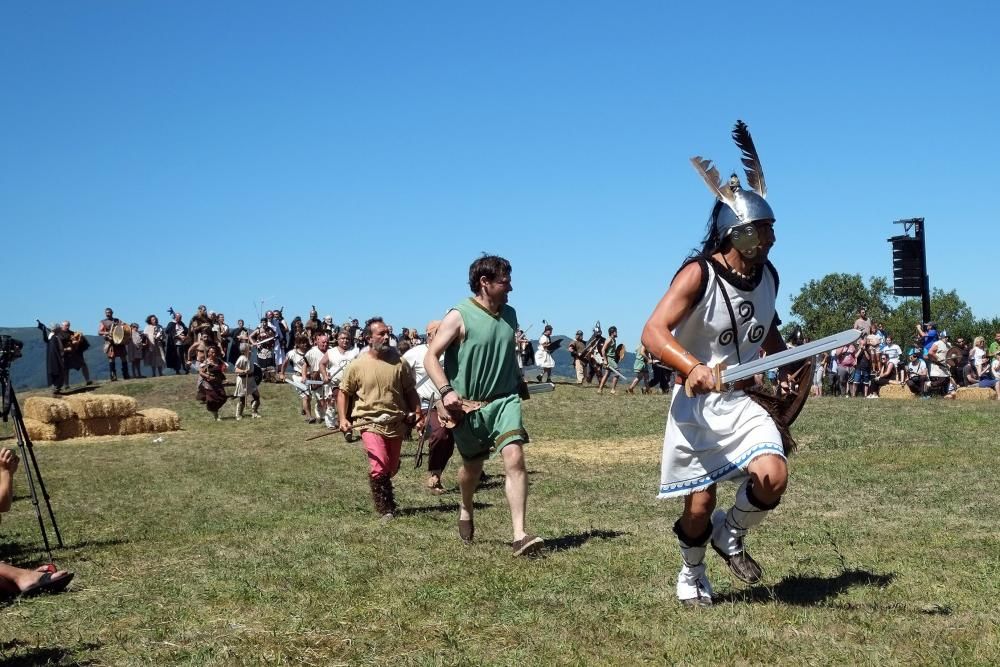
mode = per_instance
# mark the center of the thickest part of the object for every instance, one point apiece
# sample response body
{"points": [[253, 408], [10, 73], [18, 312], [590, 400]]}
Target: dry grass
{"points": [[92, 406], [47, 410], [601, 452]]}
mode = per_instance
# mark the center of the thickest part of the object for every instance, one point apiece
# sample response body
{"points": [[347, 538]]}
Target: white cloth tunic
{"points": [[245, 384], [543, 359], [713, 437]]}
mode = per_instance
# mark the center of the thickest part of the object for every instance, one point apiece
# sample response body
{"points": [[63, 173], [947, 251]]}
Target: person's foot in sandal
{"points": [[527, 545], [46, 581]]}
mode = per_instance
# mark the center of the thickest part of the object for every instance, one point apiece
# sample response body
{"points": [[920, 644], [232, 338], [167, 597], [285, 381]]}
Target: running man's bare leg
{"points": [[516, 486], [468, 480]]}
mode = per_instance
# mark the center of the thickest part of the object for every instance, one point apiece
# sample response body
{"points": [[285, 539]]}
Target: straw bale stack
{"points": [[975, 394], [160, 420], [47, 410], [91, 406], [896, 391], [93, 415]]}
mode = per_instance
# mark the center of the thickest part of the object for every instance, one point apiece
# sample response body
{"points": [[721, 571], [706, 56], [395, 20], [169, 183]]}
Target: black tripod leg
{"points": [[28, 455]]}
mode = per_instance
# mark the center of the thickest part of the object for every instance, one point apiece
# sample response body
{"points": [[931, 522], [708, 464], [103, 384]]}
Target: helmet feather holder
{"points": [[741, 208]]}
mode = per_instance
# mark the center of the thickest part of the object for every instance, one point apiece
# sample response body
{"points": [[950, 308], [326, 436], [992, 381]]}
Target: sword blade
{"points": [[790, 356]]}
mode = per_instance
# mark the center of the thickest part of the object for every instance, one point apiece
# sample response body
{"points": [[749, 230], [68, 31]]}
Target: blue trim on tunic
{"points": [[719, 474]]}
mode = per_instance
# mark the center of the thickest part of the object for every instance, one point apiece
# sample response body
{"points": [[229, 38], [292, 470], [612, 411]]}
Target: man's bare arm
{"points": [[662, 345], [452, 329]]}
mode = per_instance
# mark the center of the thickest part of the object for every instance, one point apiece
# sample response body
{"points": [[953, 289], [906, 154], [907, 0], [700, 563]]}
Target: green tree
{"points": [[948, 311], [828, 305]]}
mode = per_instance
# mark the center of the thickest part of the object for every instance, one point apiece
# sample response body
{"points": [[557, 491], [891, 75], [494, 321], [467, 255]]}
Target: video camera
{"points": [[10, 349]]}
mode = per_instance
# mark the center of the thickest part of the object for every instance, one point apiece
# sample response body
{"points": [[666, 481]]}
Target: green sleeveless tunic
{"points": [[483, 365]]}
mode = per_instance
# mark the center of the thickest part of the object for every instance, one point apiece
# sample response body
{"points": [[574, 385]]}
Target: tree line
{"points": [[828, 305]]}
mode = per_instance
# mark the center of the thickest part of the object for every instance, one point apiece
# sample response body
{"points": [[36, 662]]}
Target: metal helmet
{"points": [[740, 208]]}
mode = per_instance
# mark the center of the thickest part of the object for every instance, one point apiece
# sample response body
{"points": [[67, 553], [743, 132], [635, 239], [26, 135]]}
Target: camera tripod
{"points": [[11, 408]]}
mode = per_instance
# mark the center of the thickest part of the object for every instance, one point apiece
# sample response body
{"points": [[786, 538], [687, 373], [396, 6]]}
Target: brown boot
{"points": [[382, 496]]}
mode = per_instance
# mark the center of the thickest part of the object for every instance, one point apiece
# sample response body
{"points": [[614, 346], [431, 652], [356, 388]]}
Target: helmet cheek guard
{"points": [[745, 239]]}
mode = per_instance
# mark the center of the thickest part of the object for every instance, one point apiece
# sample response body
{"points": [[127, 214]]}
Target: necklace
{"points": [[743, 276]]}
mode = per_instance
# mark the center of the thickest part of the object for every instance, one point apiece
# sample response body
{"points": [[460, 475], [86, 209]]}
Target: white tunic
{"points": [[713, 437], [245, 384], [543, 359]]}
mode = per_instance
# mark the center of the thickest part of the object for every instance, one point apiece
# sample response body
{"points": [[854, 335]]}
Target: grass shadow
{"points": [[12, 552], [577, 540], [18, 652], [808, 590], [443, 508]]}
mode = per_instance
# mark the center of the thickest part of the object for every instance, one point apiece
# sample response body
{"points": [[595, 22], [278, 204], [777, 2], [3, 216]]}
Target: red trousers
{"points": [[383, 453]]}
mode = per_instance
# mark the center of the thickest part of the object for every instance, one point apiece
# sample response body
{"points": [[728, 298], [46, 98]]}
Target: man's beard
{"points": [[379, 348]]}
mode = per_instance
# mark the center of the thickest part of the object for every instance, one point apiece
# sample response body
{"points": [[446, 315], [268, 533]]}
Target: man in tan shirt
{"points": [[381, 383]]}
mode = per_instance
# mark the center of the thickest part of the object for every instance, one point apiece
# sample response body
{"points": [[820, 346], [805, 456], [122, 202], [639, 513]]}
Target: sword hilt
{"points": [[716, 373]]}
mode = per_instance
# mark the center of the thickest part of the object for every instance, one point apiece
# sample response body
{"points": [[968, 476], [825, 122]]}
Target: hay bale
{"points": [[161, 420], [99, 426], [896, 391], [975, 394], [39, 430], [92, 406], [47, 410]]}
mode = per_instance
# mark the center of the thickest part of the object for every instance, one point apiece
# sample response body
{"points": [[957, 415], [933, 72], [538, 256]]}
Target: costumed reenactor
{"points": [[381, 385], [113, 350], [610, 353], [296, 358], [593, 357], [238, 335], [639, 367], [524, 351], [340, 357], [222, 333], [317, 368], [55, 368], [263, 338], [74, 344], [480, 389], [720, 307], [246, 384], [211, 381], [299, 329], [136, 344], [440, 443], [543, 357], [177, 344], [576, 349], [200, 322], [313, 324], [199, 350], [156, 352]]}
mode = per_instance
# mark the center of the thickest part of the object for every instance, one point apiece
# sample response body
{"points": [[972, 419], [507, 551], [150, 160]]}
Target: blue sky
{"points": [[358, 156]]}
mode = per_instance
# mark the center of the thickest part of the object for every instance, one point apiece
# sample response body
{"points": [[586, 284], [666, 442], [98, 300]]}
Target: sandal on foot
{"points": [[49, 582]]}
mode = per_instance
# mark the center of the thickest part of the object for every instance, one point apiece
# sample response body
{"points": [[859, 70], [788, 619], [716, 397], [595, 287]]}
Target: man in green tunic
{"points": [[477, 340]]}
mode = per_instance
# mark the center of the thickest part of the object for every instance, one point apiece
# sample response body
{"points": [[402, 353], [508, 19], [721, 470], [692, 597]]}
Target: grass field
{"points": [[239, 543]]}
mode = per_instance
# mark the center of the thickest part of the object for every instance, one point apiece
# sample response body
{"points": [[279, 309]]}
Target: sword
{"points": [[383, 418], [726, 376]]}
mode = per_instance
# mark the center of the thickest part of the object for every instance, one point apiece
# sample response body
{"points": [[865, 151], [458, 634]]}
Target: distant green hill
{"points": [[28, 372]]}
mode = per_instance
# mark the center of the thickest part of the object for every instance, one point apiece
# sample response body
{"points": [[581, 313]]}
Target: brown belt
{"points": [[739, 385]]}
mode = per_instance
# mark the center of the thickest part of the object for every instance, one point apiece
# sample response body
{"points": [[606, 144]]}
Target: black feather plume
{"points": [[751, 161]]}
